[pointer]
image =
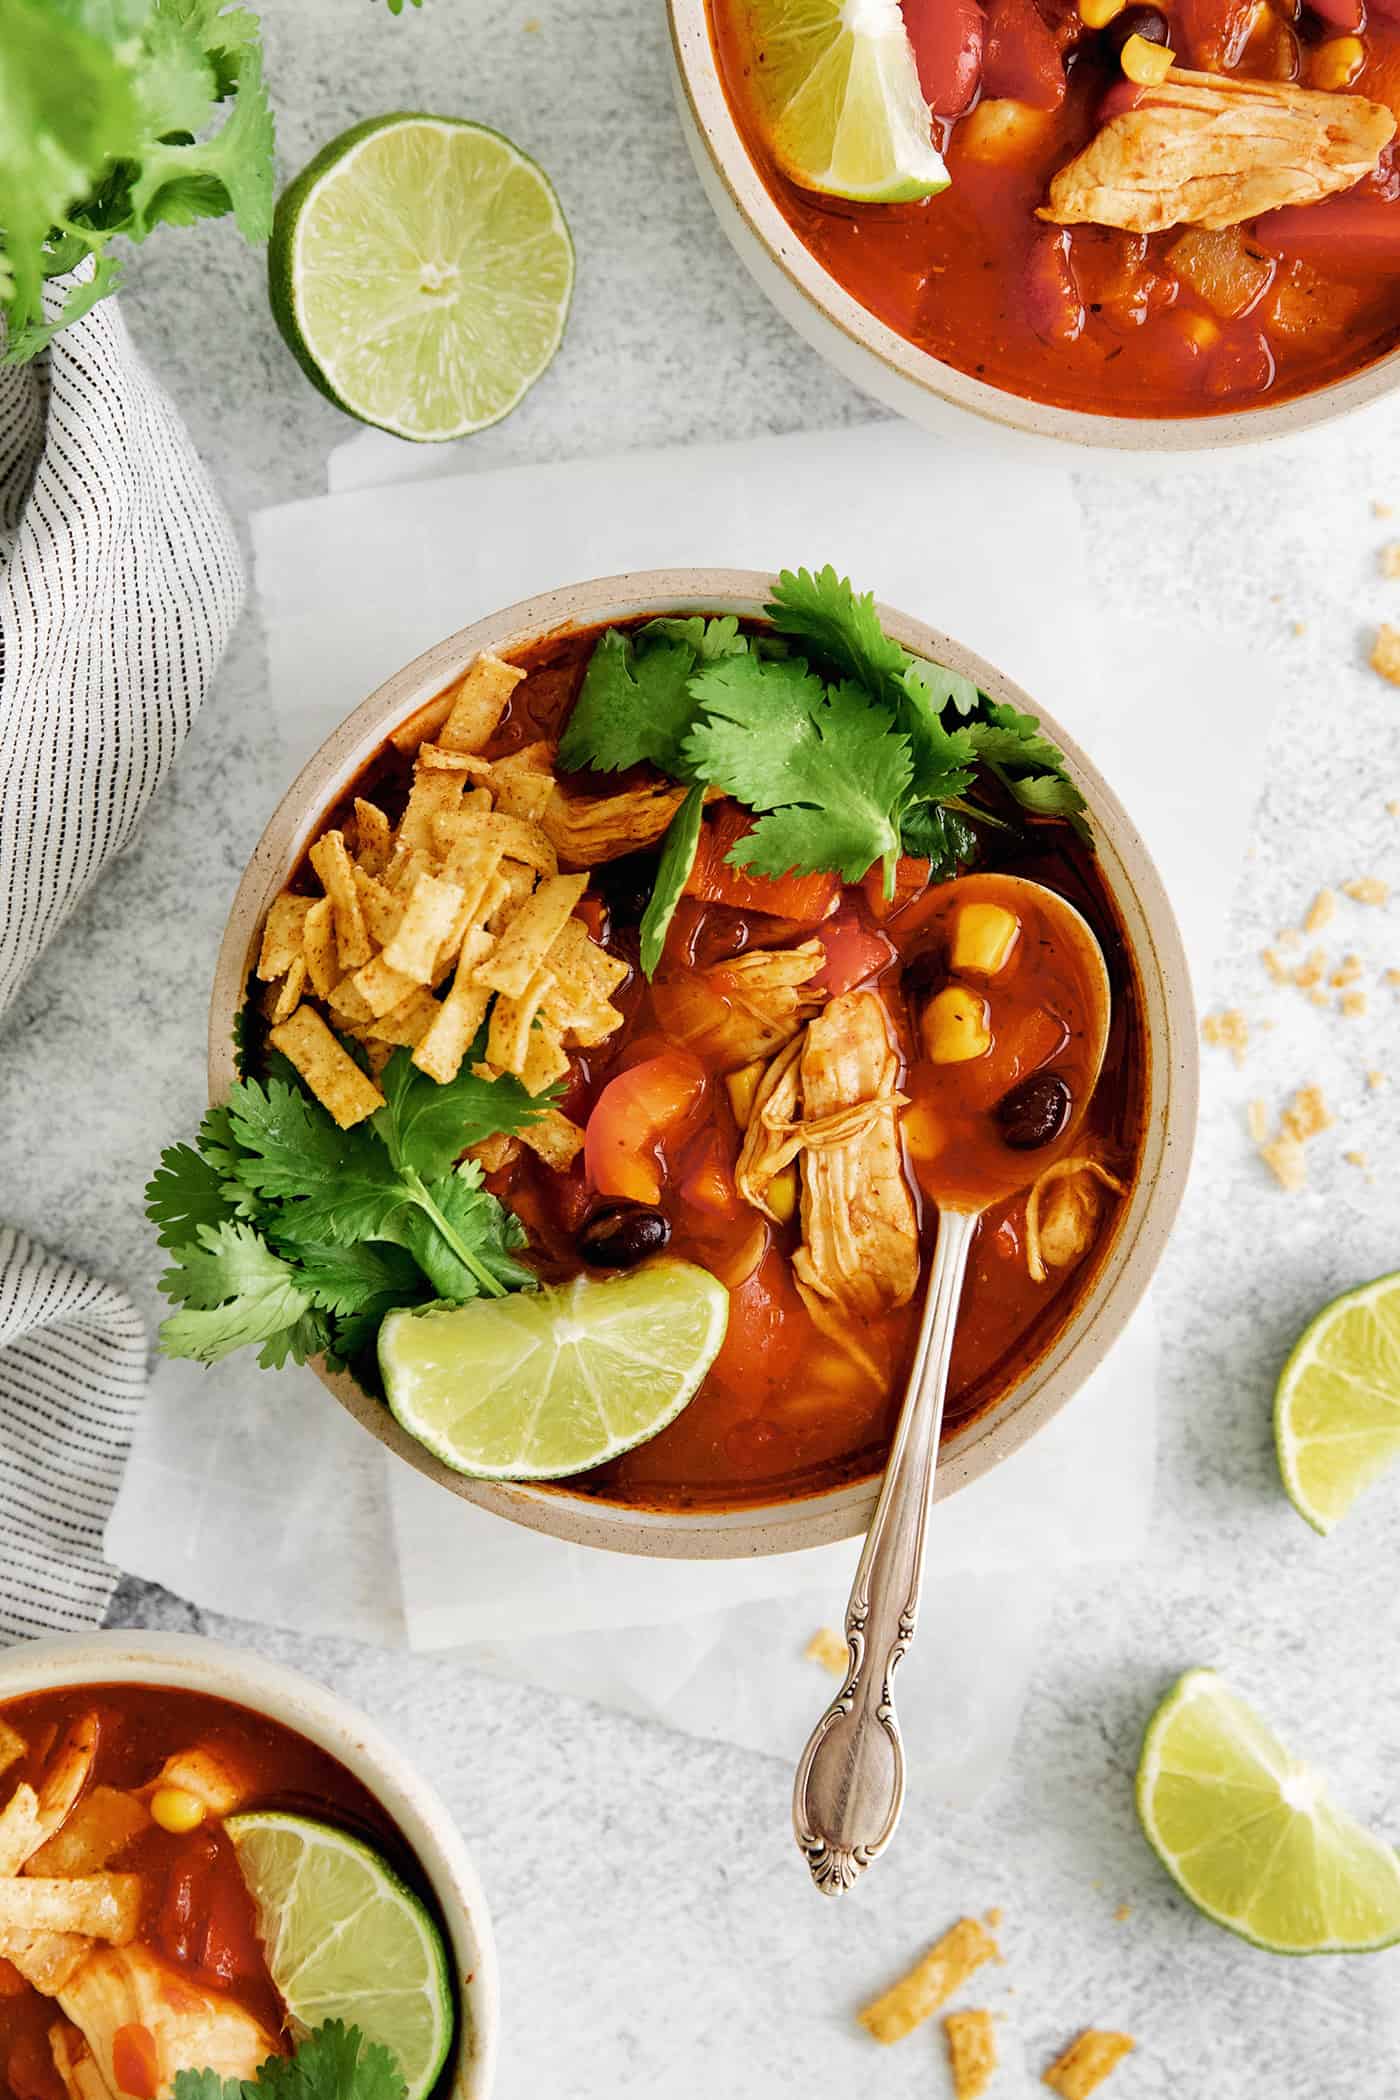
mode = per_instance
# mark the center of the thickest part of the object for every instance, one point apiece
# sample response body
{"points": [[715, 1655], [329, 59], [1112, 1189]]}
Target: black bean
{"points": [[1147, 22], [621, 1234], [1035, 1112]]}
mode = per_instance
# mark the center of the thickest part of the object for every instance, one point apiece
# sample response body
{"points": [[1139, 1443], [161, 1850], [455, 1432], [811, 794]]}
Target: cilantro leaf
{"points": [[184, 1193], [463, 1238], [1028, 764], [426, 1126], [634, 705], [843, 629], [345, 1280], [333, 2062], [233, 1291], [338, 1182], [935, 833], [672, 874], [707, 640], [826, 763]]}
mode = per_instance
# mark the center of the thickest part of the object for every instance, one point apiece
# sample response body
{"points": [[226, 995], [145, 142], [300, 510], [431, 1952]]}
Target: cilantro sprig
{"points": [[333, 2062], [118, 116], [849, 750], [289, 1233]]}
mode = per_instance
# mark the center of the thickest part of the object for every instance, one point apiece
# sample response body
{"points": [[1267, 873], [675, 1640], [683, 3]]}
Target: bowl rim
{"points": [[892, 364], [195, 1663], [1169, 1123]]}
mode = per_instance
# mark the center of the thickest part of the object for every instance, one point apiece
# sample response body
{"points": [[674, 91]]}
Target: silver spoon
{"points": [[849, 1788]]}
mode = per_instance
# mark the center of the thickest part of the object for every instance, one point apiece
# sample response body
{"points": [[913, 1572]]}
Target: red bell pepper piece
{"points": [[714, 880], [948, 38], [631, 1117]]}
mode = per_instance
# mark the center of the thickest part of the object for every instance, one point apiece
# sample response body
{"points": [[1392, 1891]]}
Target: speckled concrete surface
{"points": [[657, 1932]]}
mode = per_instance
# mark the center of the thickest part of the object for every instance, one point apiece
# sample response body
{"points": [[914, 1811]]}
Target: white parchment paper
{"points": [[255, 1495]]}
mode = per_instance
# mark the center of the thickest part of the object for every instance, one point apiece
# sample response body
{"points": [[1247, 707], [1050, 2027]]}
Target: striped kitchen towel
{"points": [[120, 582]]}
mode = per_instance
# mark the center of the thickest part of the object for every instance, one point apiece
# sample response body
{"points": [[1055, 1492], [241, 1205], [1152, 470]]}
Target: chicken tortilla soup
{"points": [[601, 1046], [1166, 210], [188, 1888]]}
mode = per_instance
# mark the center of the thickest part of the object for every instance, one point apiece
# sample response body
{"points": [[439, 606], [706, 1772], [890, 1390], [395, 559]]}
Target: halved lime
{"points": [[421, 270], [1249, 1834], [838, 94], [1337, 1407], [553, 1381], [344, 1939]]}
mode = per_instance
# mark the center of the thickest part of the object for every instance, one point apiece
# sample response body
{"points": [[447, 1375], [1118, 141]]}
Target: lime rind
{"points": [[1337, 1403], [421, 270], [1249, 1835], [552, 1382], [844, 112], [388, 1976]]}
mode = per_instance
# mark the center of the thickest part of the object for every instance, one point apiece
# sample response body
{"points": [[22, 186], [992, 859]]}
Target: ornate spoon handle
{"points": [[850, 1782]]}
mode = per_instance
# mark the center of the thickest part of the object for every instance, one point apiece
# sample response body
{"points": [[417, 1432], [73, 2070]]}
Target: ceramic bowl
{"points": [[898, 373], [198, 1665], [1169, 1123]]}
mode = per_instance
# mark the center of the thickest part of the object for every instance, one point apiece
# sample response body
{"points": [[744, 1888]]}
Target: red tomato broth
{"points": [[779, 1415], [196, 1911], [1089, 318]]}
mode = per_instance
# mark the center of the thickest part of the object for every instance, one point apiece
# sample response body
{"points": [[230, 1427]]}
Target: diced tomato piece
{"points": [[911, 879], [594, 914], [1344, 14], [854, 948], [947, 36], [1353, 232], [705, 1180], [631, 1118], [1022, 58], [805, 898], [135, 2063], [767, 1332], [1212, 34]]}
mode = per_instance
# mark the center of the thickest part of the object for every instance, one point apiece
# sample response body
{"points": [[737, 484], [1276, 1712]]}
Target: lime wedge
{"points": [[553, 1381], [420, 270], [344, 1939], [838, 94], [1337, 1407], [1249, 1834]]}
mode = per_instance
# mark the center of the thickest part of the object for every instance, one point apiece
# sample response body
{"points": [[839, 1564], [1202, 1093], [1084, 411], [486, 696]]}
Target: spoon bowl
{"points": [[968, 1155]]}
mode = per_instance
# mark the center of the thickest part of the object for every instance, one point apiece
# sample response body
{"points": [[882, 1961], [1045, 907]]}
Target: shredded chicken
{"points": [[130, 1988], [1062, 1213], [774, 1134], [744, 1010], [587, 829], [860, 1237], [1208, 150]]}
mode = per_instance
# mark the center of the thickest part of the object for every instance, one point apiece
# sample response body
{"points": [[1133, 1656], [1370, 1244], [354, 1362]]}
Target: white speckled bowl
{"points": [[196, 1665], [1171, 1090], [897, 372]]}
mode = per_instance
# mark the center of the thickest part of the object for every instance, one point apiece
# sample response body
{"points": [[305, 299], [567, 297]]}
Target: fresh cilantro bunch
{"points": [[334, 2062], [117, 116], [287, 1231], [849, 750]]}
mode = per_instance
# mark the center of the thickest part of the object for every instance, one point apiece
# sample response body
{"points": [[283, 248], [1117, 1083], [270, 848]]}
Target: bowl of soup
{"points": [[1114, 262], [743, 1092], [205, 1861]]}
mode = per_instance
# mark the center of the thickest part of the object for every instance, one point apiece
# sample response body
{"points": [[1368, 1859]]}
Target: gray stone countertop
{"points": [[658, 1935]]}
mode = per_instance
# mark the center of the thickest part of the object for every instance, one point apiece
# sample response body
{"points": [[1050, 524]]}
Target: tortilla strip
{"points": [[480, 702], [519, 840], [289, 991], [527, 940], [19, 1829], [382, 909], [330, 1072], [454, 1026], [332, 863], [282, 936], [47, 1960], [545, 1059], [432, 795], [373, 836], [427, 922], [12, 1746], [101, 1826], [523, 781], [931, 1982], [100, 1906], [554, 1139], [382, 987], [511, 1022], [408, 1022], [319, 949]]}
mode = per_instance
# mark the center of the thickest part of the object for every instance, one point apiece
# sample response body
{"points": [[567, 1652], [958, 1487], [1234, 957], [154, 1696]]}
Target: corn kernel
{"points": [[782, 1194], [742, 1087], [176, 1810], [983, 937], [955, 1026], [1097, 14], [1336, 63], [1147, 64]]}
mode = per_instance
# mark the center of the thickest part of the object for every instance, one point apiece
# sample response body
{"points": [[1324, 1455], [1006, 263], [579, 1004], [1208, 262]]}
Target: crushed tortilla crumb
{"points": [[1258, 1117], [972, 2052], [829, 1649], [1319, 997], [1368, 889], [1390, 559], [1298, 626], [1227, 1030], [1124, 1910], [1321, 909], [1381, 510], [1307, 1114], [1385, 653], [993, 1916], [1391, 977], [1375, 1079], [1353, 1004], [1274, 967], [1312, 971], [1288, 937], [1354, 1159], [1087, 2062], [930, 1983], [1284, 1155], [1392, 809]]}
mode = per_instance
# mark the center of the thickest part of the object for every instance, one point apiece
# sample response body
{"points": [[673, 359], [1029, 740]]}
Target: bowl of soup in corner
{"points": [[167, 1803], [783, 1444], [1182, 337]]}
